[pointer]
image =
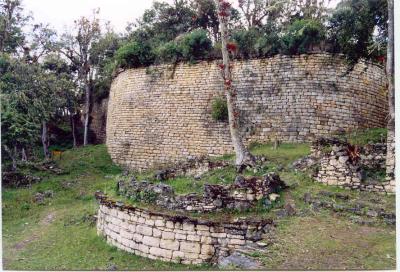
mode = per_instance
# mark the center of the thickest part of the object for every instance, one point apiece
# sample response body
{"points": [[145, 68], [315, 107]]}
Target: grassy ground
{"points": [[60, 234]]}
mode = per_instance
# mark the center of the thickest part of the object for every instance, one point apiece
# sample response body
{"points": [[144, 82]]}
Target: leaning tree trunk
{"points": [[243, 156], [390, 156], [87, 111], [45, 142]]}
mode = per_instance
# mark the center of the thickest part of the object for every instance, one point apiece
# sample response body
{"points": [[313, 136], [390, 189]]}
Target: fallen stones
{"points": [[361, 210], [39, 197], [238, 261], [242, 195], [17, 179]]}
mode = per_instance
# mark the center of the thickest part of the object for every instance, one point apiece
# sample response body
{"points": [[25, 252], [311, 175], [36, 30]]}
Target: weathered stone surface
{"points": [[169, 244], [190, 247], [237, 260], [172, 244], [151, 241], [316, 98]]}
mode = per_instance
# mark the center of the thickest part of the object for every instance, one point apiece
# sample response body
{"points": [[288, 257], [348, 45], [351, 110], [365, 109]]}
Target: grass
{"points": [[324, 242], [366, 136], [60, 235], [69, 241]]}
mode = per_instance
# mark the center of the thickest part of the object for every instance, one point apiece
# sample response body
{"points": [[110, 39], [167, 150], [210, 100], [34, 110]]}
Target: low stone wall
{"points": [[345, 166], [178, 239]]}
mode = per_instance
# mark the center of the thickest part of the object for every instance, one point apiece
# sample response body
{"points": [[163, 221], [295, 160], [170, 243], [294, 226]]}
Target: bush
{"points": [[302, 34], [195, 45], [246, 41], [219, 109], [134, 54], [268, 45], [168, 52]]}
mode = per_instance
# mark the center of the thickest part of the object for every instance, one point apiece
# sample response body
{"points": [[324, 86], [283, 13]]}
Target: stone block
{"points": [[169, 244], [145, 230], [190, 247], [165, 253], [151, 241], [168, 235]]}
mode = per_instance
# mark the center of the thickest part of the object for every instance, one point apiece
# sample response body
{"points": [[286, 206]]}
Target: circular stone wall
{"points": [[162, 114]]}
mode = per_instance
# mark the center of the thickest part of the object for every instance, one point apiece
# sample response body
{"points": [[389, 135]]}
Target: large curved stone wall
{"points": [[162, 114]]}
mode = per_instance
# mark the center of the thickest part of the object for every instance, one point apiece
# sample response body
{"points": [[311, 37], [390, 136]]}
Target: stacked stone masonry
{"points": [[161, 115], [173, 238], [337, 167], [98, 119]]}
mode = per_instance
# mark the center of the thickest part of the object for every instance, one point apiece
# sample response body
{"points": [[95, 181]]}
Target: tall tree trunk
{"points": [[390, 156], [45, 142], [243, 156], [12, 156], [72, 123], [24, 157], [87, 112]]}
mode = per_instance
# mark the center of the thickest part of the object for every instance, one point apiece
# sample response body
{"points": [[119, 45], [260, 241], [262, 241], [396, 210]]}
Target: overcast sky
{"points": [[61, 13]]}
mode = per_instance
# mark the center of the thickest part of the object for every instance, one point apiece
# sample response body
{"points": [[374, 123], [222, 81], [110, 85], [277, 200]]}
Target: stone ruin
{"points": [[176, 238], [193, 166], [166, 230], [337, 162], [243, 194]]}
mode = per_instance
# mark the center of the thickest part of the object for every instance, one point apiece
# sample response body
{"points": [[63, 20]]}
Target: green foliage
{"points": [[268, 44], [195, 45], [246, 41], [352, 27], [366, 136], [12, 22], [219, 109], [134, 54], [301, 35], [168, 52], [102, 55]]}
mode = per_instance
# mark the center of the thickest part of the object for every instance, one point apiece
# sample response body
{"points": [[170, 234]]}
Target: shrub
{"points": [[219, 109], [246, 41], [268, 45], [302, 34], [195, 45], [168, 52], [134, 54]]}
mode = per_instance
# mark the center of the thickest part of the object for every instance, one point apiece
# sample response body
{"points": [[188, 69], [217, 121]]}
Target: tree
{"points": [[30, 98], [243, 156], [353, 26], [257, 13], [77, 48], [206, 16], [12, 20], [390, 157]]}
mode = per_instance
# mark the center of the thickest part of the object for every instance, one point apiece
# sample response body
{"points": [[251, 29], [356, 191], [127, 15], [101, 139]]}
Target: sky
{"points": [[61, 13]]}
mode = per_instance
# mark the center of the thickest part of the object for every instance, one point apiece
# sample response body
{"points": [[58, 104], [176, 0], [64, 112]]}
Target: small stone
{"points": [[290, 209], [273, 197], [307, 198], [371, 213]]}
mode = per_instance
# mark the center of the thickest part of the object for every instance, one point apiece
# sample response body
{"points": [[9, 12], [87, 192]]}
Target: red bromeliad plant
{"points": [[243, 156]]}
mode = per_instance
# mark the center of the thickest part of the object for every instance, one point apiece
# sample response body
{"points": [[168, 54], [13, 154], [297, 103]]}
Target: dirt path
{"points": [[35, 234]]}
